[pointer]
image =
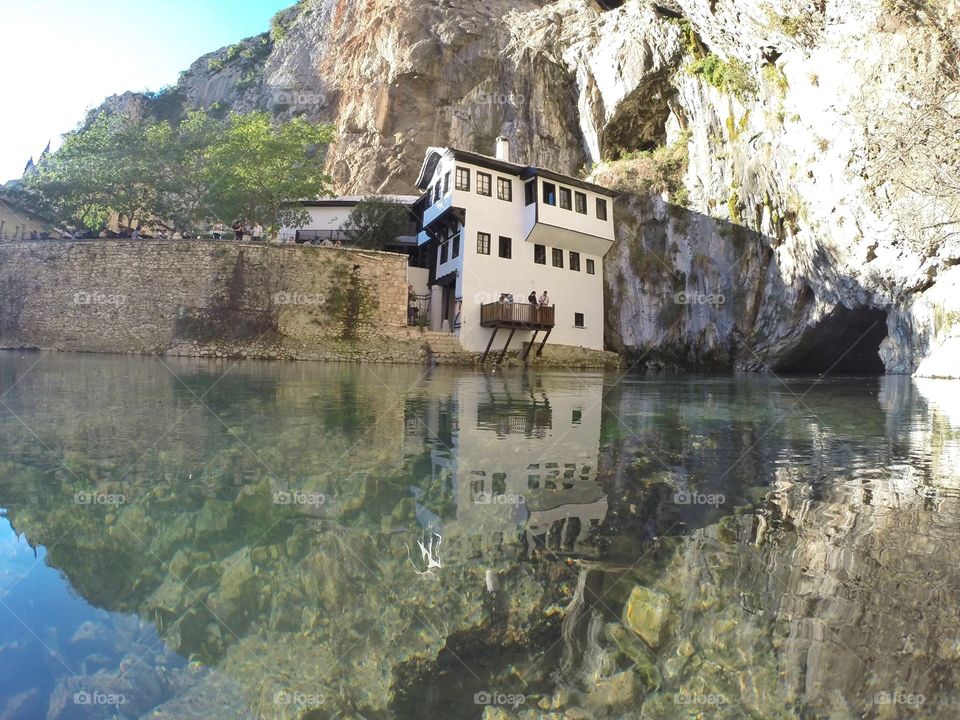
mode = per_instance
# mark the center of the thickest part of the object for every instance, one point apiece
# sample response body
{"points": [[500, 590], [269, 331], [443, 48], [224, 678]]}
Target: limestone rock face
{"points": [[815, 208]]}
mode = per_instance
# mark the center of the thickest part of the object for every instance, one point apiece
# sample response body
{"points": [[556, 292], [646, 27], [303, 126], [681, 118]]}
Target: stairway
{"points": [[443, 345]]}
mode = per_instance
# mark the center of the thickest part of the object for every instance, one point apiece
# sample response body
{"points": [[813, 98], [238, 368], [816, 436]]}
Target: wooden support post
{"points": [[506, 345], [489, 344], [544, 342], [526, 353]]}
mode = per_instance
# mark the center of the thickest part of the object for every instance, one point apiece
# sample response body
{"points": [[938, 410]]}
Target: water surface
{"points": [[197, 539]]}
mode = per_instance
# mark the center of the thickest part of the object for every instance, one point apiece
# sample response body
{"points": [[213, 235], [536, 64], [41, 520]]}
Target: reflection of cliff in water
{"points": [[833, 594]]}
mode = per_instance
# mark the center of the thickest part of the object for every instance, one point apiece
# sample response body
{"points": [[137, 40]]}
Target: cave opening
{"points": [[610, 4], [845, 342]]}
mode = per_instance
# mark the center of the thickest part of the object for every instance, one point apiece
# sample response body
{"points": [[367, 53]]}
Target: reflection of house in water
{"points": [[517, 455]]}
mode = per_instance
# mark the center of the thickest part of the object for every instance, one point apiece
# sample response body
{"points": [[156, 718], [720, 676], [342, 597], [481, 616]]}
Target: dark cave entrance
{"points": [[610, 4], [845, 342]]}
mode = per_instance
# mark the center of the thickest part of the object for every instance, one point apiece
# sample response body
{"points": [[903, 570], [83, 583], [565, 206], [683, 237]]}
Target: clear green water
{"points": [[187, 539]]}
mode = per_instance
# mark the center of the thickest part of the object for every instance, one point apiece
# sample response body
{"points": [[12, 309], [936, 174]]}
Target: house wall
{"points": [[327, 218]]}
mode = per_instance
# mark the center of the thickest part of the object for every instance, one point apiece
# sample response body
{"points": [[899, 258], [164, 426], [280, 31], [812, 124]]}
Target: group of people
{"points": [[240, 230], [544, 300]]}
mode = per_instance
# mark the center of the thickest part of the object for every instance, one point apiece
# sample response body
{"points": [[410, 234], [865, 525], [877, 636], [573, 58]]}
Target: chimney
{"points": [[503, 149]]}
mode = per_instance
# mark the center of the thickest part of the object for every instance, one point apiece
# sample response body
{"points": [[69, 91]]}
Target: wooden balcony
{"points": [[518, 316], [513, 317]]}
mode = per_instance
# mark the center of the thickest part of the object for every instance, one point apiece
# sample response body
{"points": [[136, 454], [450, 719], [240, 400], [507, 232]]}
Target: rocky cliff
{"points": [[790, 170]]}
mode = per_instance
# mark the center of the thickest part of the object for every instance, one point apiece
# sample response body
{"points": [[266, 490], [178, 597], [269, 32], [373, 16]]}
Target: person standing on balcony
{"points": [[544, 299], [257, 232], [532, 298]]}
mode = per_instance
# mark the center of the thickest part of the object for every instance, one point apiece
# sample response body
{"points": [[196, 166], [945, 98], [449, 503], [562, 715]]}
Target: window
{"points": [[506, 247], [575, 261], [483, 243], [463, 179], [578, 320], [505, 189], [456, 246], [557, 257], [550, 193], [581, 202], [591, 269], [601, 209], [577, 415], [483, 183], [436, 192], [540, 254], [443, 252], [565, 198], [530, 192], [446, 183]]}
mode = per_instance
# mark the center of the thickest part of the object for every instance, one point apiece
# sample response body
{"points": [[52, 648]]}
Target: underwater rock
{"points": [[643, 658], [174, 534], [298, 544], [214, 517], [236, 595], [646, 613], [201, 696], [132, 691], [23, 706], [617, 691]]}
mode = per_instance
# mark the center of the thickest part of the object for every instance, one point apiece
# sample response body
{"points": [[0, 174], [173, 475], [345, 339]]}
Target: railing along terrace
{"points": [[516, 314], [311, 236]]}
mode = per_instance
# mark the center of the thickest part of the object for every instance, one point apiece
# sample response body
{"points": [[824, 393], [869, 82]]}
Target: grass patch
{"points": [[804, 27]]}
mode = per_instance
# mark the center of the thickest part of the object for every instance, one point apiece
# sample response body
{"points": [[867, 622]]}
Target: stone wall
{"points": [[205, 298]]}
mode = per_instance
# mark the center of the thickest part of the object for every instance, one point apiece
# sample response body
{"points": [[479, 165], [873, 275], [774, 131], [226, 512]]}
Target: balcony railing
{"points": [[517, 315]]}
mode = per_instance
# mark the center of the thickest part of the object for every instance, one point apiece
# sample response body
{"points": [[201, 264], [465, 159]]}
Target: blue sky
{"points": [[61, 57]]}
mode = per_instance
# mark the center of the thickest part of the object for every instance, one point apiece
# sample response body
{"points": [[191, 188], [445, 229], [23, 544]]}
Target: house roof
{"points": [[353, 200], [525, 172]]}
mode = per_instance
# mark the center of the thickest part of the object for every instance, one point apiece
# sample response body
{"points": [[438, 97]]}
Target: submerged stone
{"points": [[646, 613], [643, 658], [214, 517], [617, 691]]}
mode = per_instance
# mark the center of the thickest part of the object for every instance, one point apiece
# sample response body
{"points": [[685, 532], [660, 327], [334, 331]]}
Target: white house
{"points": [[496, 228], [328, 216]]}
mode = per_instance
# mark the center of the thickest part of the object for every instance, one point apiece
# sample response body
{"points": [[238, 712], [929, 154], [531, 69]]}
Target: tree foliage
{"points": [[187, 174], [374, 222], [258, 166]]}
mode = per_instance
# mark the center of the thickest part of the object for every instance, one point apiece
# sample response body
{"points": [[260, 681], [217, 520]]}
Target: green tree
{"points": [[180, 162], [185, 173], [374, 222], [259, 166]]}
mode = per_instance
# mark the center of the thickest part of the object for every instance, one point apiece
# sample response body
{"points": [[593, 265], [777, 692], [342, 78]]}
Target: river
{"points": [[199, 539]]}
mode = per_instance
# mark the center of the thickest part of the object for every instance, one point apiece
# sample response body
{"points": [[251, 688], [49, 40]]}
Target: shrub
{"points": [[775, 77], [731, 76], [215, 64], [652, 171]]}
